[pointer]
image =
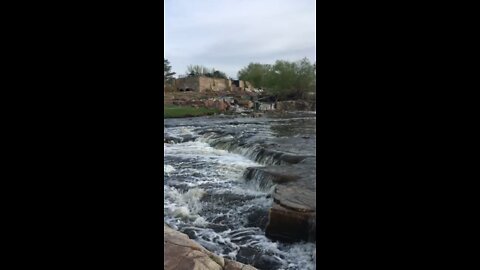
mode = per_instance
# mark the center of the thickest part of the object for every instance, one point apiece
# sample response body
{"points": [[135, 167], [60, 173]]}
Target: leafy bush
{"points": [[284, 79]]}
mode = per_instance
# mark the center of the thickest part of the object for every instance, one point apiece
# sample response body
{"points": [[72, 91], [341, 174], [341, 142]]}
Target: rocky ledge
{"points": [[182, 253], [292, 216]]}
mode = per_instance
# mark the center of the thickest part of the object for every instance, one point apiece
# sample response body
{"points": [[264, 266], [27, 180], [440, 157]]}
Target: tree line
{"points": [[167, 71], [284, 79], [192, 70], [199, 70]]}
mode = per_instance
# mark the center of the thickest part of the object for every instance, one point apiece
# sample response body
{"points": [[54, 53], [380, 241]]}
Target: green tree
{"points": [[199, 70], [305, 78], [284, 79], [255, 73], [167, 71], [219, 74]]}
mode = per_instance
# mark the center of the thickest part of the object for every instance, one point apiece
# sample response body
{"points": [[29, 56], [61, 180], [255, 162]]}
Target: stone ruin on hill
{"points": [[202, 84]]}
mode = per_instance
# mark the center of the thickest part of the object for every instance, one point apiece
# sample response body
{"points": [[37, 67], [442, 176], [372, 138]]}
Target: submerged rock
{"points": [[267, 262], [258, 218]]}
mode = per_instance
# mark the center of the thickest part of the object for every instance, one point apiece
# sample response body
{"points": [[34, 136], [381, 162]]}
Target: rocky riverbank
{"points": [[231, 103], [182, 253]]}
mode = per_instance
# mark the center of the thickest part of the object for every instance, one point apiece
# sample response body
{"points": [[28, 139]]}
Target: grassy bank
{"points": [[173, 111]]}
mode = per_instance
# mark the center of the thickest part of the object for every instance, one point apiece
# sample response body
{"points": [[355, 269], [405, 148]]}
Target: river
{"points": [[213, 190]]}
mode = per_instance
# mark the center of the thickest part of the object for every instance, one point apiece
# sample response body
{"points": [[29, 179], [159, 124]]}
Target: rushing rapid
{"points": [[212, 195]]}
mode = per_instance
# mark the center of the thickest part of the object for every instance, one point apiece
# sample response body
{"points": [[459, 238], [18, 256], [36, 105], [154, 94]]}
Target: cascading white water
{"points": [[207, 197]]}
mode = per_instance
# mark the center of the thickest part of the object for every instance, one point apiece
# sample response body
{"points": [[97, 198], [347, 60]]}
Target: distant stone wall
{"points": [[201, 84], [242, 86], [191, 83], [214, 84]]}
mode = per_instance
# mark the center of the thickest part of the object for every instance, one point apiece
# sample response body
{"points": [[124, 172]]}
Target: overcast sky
{"points": [[229, 34]]}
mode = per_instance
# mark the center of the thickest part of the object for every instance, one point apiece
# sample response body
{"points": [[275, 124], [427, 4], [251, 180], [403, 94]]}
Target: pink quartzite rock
{"points": [[293, 214], [182, 253]]}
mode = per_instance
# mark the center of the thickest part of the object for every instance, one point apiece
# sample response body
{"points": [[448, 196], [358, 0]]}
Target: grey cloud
{"points": [[227, 35]]}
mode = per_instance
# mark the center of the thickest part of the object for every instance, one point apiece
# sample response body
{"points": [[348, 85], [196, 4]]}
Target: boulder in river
{"points": [[293, 214]]}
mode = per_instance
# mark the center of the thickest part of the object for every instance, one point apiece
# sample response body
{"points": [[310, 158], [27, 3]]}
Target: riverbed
{"points": [[214, 193]]}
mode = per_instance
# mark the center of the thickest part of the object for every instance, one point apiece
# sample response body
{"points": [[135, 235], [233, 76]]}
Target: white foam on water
{"points": [[178, 131], [248, 189], [168, 169], [181, 212], [200, 221], [212, 165], [219, 242], [182, 205], [300, 255], [193, 149], [192, 198]]}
